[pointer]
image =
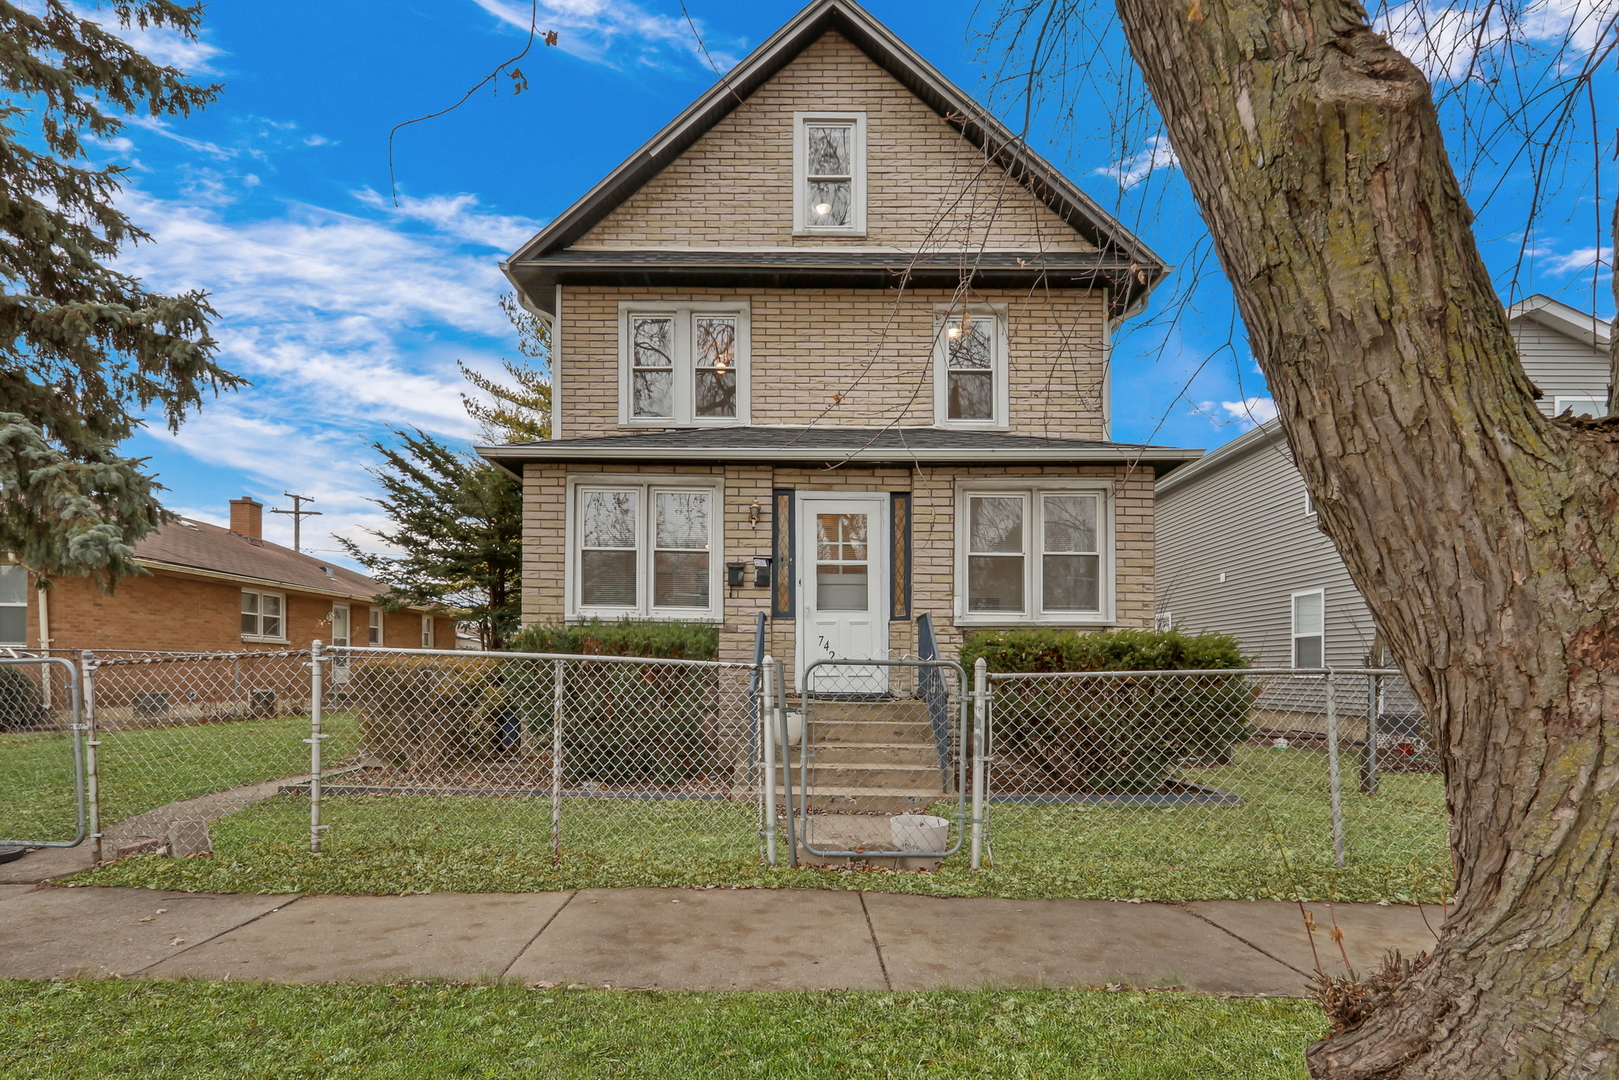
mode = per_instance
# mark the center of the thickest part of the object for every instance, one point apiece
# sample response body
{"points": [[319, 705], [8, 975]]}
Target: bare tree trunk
{"points": [[1482, 534]]}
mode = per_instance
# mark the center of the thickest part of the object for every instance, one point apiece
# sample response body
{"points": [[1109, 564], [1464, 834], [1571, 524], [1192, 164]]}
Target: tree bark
{"points": [[1482, 534]]}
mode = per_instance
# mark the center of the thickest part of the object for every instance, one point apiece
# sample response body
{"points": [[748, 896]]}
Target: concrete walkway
{"points": [[693, 939]]}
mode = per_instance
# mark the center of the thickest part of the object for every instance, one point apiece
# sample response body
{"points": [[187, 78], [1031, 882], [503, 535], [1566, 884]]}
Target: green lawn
{"points": [[145, 768], [1276, 846], [247, 1032]]}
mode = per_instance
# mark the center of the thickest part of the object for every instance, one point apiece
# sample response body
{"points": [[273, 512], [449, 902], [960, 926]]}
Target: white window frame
{"points": [[857, 175], [375, 620], [1032, 615], [1561, 402], [428, 640], [281, 638], [1293, 625], [683, 362], [14, 568], [943, 316], [1309, 503], [1163, 620], [643, 609]]}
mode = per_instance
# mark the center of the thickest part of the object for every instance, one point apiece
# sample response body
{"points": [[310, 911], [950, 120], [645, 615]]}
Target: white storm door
{"points": [[843, 589]]}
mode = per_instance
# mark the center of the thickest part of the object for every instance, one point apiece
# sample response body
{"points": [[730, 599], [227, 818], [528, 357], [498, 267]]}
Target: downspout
{"points": [[44, 617]]}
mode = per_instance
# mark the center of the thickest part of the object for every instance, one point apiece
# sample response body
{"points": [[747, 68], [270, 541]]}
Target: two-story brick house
{"points": [[834, 346]]}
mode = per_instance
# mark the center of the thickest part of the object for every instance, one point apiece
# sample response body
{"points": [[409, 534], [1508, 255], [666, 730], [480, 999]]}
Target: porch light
{"points": [[753, 512], [823, 208]]}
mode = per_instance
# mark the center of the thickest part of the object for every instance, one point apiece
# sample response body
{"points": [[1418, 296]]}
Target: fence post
{"points": [[556, 761], [787, 760], [87, 679], [1332, 774], [317, 687], [767, 730], [980, 747], [1368, 757]]}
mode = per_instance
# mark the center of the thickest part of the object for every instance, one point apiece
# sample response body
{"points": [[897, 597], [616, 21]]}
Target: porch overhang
{"points": [[831, 447]]}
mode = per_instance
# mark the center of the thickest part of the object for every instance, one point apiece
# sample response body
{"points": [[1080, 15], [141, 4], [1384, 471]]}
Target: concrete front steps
{"points": [[868, 757]]}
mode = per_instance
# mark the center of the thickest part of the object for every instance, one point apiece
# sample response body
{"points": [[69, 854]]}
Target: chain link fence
{"points": [[1162, 784], [42, 775], [184, 740], [594, 758], [1183, 778]]}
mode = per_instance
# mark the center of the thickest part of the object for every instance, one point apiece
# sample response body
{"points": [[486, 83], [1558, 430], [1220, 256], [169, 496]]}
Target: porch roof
{"points": [[837, 445]]}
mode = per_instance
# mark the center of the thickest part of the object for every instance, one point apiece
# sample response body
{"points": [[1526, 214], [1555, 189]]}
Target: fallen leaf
{"points": [[147, 918], [178, 941]]}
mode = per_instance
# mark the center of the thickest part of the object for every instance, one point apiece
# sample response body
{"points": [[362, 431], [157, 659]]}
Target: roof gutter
{"points": [[244, 579], [1097, 455]]}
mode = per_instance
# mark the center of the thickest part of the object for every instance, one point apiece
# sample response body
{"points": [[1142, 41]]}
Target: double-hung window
{"points": [[648, 549], [263, 616], [969, 363], [375, 635], [684, 364], [829, 174], [1309, 629], [13, 605], [427, 631], [1035, 555]]}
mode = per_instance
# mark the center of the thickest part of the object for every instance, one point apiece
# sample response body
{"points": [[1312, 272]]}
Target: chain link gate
{"points": [[43, 799], [873, 763]]}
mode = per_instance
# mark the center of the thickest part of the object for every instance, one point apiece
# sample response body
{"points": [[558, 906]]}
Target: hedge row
{"points": [[1045, 649], [628, 637]]}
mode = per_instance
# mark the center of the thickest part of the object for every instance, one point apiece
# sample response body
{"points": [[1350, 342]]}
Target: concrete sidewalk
{"points": [[693, 939]]}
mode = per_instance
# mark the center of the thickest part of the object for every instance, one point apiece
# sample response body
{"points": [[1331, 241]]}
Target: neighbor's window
{"points": [[1035, 555], [13, 605], [427, 631], [263, 615], [645, 549], [970, 386], [375, 637], [1309, 629], [684, 364], [1163, 620], [1581, 406], [829, 173]]}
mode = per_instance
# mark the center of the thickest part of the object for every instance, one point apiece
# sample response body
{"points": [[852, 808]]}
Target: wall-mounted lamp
{"points": [[753, 512], [734, 572], [761, 573]]}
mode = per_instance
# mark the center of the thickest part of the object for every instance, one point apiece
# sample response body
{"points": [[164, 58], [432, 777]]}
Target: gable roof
{"points": [[196, 545], [1115, 244], [1582, 326]]}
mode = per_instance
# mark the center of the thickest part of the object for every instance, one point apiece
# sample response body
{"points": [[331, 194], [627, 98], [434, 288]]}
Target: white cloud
{"points": [[602, 31], [1579, 261], [1155, 153], [456, 215], [1248, 413], [1445, 39]]}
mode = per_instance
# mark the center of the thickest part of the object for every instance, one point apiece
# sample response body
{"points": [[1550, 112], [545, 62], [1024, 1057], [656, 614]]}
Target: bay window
{"points": [[684, 364], [1035, 554], [644, 549]]}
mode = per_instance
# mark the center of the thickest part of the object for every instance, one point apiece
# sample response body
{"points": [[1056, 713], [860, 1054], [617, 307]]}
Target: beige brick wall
{"points": [[933, 541], [852, 356], [926, 185]]}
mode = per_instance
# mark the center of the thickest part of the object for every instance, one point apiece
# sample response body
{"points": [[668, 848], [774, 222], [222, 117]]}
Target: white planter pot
{"points": [[919, 832], [794, 722]]}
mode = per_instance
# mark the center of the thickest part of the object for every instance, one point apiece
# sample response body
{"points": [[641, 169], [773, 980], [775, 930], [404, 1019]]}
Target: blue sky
{"points": [[348, 313]]}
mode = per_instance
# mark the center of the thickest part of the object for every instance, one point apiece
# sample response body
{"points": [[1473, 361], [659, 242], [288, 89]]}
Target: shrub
{"points": [[426, 712], [22, 705], [628, 637], [1122, 735]]}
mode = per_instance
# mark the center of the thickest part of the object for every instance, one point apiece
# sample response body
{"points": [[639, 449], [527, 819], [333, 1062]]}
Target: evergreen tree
{"points": [[522, 411], [84, 349], [459, 522]]}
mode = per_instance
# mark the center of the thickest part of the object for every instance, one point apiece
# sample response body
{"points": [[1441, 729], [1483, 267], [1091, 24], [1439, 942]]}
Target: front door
{"points": [[844, 556]]}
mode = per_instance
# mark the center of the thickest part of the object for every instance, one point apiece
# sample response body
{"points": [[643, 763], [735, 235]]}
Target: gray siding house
{"points": [[1238, 548]]}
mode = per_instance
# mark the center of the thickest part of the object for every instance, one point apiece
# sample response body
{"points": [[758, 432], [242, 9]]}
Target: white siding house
{"points": [[1238, 548]]}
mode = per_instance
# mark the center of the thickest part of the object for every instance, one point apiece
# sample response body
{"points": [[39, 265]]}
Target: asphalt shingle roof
{"points": [[201, 546]]}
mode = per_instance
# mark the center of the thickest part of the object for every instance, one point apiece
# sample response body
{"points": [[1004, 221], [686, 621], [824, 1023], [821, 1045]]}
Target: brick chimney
{"points": [[247, 517]]}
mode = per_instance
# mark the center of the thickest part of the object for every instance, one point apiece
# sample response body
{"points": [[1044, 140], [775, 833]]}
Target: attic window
{"points": [[829, 174]]}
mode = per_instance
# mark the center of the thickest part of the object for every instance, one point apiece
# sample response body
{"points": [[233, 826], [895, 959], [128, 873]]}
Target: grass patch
{"points": [[244, 1032], [1275, 847], [145, 768]]}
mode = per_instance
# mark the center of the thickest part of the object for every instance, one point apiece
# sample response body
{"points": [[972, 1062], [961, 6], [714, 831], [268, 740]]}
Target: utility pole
{"points": [[298, 514]]}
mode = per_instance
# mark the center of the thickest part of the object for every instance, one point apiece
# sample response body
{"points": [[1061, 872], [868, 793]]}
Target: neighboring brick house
{"points": [[833, 346], [208, 589]]}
